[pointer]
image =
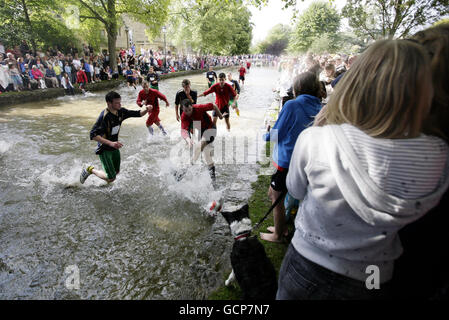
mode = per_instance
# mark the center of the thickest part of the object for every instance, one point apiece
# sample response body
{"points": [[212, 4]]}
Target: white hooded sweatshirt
{"points": [[358, 191]]}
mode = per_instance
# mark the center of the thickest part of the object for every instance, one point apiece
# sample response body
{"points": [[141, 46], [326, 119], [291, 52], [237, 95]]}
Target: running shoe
{"points": [[85, 174]]}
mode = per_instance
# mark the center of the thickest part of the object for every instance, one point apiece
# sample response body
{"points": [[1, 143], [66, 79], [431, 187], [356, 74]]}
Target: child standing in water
{"points": [[150, 97], [105, 131]]}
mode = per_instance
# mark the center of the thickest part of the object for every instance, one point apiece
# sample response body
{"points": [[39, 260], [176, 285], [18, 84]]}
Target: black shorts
{"points": [[242, 78], [130, 80], [223, 110], [210, 135], [278, 181]]}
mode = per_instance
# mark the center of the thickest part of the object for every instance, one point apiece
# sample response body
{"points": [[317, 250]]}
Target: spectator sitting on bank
{"points": [[372, 174], [28, 79], [39, 77], [50, 78], [16, 78], [67, 84]]}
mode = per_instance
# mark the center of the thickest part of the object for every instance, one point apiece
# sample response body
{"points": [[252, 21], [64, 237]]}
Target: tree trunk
{"points": [[112, 38], [30, 26], [112, 34]]}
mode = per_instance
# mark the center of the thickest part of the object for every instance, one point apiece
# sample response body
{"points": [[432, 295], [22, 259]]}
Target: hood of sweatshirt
{"points": [[368, 201], [311, 105]]}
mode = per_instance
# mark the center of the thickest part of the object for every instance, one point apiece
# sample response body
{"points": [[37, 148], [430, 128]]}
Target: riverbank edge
{"points": [[259, 204], [12, 98]]}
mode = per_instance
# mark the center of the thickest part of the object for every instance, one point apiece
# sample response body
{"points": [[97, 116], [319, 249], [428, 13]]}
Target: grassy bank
{"points": [[258, 207]]}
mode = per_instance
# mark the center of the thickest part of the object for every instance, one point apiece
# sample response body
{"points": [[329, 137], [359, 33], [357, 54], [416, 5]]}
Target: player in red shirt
{"points": [[223, 92], [149, 97], [81, 79], [248, 65], [196, 116], [242, 72]]}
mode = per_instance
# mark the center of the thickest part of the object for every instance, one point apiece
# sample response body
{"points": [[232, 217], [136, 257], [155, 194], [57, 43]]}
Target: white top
{"points": [[358, 191]]}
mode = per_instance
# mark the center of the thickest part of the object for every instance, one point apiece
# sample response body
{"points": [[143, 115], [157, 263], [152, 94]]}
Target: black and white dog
{"points": [[250, 265]]}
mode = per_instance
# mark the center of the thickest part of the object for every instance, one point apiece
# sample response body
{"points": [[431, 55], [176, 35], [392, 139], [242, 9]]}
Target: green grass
{"points": [[258, 207]]}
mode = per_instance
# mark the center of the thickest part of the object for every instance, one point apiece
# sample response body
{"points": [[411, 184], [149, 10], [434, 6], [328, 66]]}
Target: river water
{"points": [[145, 236]]}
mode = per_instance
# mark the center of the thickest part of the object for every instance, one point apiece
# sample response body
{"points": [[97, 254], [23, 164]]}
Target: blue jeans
{"points": [[301, 279]]}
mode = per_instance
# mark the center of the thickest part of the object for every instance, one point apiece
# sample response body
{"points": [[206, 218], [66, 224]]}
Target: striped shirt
{"points": [[405, 168]]}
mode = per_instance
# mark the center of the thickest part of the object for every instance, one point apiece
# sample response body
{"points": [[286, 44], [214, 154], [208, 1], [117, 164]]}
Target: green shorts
{"points": [[110, 161], [211, 83]]}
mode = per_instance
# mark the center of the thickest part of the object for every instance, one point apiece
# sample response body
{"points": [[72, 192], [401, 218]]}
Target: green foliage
{"points": [[44, 27], [442, 21], [318, 19], [211, 27], [276, 41], [392, 18]]}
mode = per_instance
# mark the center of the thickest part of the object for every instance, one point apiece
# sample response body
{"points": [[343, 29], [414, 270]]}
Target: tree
{"points": [[392, 18], [276, 41], [210, 26], [36, 21], [318, 19], [108, 13]]}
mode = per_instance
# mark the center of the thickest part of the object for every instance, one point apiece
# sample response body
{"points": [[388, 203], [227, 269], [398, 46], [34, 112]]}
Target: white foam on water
{"points": [[5, 146]]}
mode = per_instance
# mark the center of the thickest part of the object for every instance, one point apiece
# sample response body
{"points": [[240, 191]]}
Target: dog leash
{"points": [[257, 225]]}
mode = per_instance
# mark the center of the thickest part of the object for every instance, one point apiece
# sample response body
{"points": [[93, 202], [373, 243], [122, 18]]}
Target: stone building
{"points": [[132, 31]]}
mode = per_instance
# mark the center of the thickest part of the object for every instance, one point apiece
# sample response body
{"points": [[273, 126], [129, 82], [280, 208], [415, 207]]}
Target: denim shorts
{"points": [[302, 279]]}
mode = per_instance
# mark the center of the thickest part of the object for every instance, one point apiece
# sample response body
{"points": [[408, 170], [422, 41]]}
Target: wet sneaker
{"points": [[85, 174]]}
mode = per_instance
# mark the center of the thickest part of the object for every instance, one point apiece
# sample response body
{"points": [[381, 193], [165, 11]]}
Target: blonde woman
{"points": [[364, 175]]}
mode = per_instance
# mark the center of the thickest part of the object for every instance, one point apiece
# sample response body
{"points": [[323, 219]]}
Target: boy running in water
{"points": [[236, 87], [105, 131], [211, 77], [223, 93], [149, 97], [248, 65], [81, 79], [190, 117], [184, 93], [153, 79], [242, 72]]}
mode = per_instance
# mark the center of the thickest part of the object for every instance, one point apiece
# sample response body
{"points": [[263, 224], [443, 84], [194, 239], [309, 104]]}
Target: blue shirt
{"points": [[296, 115]]}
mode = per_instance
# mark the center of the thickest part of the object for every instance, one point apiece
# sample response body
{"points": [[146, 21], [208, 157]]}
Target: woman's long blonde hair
{"points": [[384, 92]]}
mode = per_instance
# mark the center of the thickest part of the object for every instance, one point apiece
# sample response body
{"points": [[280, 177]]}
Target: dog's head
{"points": [[238, 220]]}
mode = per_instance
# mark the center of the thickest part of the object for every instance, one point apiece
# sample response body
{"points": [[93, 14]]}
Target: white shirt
{"points": [[358, 191]]}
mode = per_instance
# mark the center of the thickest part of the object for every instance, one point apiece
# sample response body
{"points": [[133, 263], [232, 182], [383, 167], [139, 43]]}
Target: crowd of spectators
{"points": [[22, 69], [329, 68], [370, 169]]}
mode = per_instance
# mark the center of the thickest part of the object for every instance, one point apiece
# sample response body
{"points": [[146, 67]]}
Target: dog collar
{"points": [[243, 235]]}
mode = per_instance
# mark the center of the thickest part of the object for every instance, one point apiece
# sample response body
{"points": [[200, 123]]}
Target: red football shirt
{"points": [[222, 94], [242, 71], [199, 113]]}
